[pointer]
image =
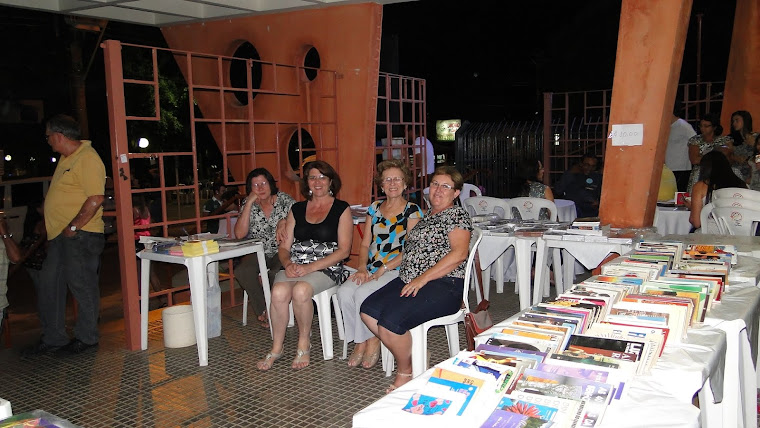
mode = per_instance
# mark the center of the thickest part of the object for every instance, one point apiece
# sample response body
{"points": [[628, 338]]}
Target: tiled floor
{"points": [[113, 387]]}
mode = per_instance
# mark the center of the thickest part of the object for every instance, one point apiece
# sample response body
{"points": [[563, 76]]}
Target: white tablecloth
{"points": [[672, 221], [493, 246], [565, 210], [589, 254]]}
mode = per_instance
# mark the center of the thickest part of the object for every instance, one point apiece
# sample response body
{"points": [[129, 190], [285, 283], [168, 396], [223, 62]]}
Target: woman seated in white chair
{"points": [[715, 173], [530, 172], [319, 233], [385, 232], [261, 214], [431, 276]]}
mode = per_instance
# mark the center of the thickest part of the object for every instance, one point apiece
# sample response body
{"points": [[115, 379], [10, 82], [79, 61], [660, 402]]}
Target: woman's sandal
{"points": [[355, 358], [370, 360], [302, 356], [268, 361], [393, 387]]}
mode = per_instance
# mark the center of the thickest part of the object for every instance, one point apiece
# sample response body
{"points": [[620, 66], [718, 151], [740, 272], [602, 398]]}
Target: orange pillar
{"points": [[742, 90], [647, 67]]}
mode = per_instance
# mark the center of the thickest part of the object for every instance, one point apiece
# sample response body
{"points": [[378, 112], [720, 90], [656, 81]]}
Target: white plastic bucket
{"points": [[179, 327], [5, 409]]}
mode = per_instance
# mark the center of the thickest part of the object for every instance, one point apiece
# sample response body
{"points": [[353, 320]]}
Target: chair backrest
{"points": [[736, 221], [477, 236], [707, 220], [529, 208], [479, 205], [467, 190], [426, 197], [737, 202], [736, 193]]}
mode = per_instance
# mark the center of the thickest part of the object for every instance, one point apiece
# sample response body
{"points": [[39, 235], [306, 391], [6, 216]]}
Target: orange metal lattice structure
{"points": [[401, 119], [246, 137]]}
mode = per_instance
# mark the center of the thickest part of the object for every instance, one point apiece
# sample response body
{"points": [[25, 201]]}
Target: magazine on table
{"points": [[677, 321], [595, 395], [232, 242]]}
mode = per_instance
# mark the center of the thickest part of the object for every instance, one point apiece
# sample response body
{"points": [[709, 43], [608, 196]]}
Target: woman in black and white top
{"points": [[319, 233]]}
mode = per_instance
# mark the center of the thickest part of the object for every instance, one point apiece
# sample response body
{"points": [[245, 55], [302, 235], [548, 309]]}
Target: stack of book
{"points": [[585, 228], [561, 363]]}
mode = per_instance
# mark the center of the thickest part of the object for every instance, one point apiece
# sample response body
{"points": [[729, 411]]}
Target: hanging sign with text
{"points": [[629, 134]]}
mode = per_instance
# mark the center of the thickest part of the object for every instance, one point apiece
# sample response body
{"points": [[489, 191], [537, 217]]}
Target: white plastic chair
{"points": [[479, 205], [736, 221], [419, 333], [707, 220], [324, 315], [467, 190], [736, 193], [529, 209], [426, 197], [749, 204]]}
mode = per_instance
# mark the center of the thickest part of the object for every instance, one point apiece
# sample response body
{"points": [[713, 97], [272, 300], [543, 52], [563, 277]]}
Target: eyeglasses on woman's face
{"points": [[444, 186], [259, 184], [389, 180], [319, 177]]}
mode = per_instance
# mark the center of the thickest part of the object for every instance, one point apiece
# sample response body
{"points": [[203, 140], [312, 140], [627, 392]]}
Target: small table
{"points": [[672, 220], [589, 254], [492, 247], [201, 275], [565, 210]]}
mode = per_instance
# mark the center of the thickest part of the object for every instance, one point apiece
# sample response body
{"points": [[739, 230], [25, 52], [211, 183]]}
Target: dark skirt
{"points": [[398, 314]]}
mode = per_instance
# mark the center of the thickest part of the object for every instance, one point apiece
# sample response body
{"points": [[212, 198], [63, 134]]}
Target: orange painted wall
{"points": [[348, 41], [742, 90], [647, 67]]}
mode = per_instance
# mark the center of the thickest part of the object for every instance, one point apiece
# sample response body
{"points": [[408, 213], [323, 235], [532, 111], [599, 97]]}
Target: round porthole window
{"points": [[307, 150], [239, 71], [311, 64]]}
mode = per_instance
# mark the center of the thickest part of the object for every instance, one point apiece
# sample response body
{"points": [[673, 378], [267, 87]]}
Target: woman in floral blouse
{"points": [[431, 278], [264, 207], [385, 230], [530, 172], [708, 140]]}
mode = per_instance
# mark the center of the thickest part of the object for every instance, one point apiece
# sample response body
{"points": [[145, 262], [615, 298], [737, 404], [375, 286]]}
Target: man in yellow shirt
{"points": [[74, 222]]}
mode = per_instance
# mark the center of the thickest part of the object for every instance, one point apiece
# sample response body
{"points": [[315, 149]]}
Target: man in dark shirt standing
{"points": [[583, 185]]}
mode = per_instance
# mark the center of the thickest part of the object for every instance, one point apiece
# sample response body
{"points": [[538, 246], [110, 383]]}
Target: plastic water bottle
{"points": [[214, 311]]}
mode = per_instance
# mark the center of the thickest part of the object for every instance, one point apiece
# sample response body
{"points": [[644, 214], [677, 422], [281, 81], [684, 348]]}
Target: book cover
{"points": [[504, 419], [420, 404], [590, 373], [596, 395], [467, 391]]}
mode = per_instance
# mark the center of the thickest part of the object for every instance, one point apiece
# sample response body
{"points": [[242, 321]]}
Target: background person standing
{"points": [[74, 223], [677, 153]]}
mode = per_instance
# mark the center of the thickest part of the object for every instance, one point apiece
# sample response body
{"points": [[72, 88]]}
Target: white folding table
{"points": [[202, 271]]}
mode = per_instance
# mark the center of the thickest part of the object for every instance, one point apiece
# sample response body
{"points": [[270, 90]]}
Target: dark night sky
{"points": [[483, 60]]}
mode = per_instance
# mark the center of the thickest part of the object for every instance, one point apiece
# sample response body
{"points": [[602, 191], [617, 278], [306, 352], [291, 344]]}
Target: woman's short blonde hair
{"points": [[452, 172], [392, 163]]}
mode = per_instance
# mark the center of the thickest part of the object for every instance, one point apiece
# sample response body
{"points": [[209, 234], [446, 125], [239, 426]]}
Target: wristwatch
{"points": [[73, 228]]}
